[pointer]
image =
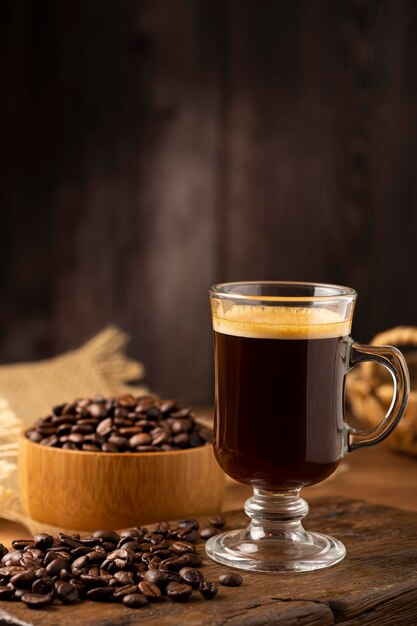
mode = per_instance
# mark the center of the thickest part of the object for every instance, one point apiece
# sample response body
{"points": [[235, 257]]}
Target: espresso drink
{"points": [[279, 394]]}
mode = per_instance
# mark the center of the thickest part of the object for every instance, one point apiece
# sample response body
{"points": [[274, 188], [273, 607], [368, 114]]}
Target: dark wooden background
{"points": [[152, 148]]}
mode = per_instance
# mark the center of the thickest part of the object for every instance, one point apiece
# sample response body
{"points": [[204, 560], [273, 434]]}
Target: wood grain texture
{"points": [[376, 584], [90, 490], [152, 148]]}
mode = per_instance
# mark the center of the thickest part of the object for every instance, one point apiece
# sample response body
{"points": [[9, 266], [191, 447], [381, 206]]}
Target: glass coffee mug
{"points": [[282, 351]]}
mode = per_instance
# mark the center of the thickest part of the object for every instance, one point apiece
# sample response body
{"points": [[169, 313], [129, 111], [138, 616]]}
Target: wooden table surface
{"points": [[374, 474]]}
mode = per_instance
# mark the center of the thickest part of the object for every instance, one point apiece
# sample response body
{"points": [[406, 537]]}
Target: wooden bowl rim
{"points": [[127, 455]]}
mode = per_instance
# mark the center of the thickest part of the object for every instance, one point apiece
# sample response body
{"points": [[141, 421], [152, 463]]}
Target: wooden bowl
{"points": [[91, 490]]}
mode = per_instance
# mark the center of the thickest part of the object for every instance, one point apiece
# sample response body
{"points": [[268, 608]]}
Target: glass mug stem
{"points": [[276, 515], [303, 438]]}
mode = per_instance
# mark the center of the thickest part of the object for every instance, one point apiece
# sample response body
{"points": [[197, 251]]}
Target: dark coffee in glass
{"points": [[266, 431], [282, 351]]}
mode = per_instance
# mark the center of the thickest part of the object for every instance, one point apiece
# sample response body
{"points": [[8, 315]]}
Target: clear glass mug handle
{"points": [[394, 362]]}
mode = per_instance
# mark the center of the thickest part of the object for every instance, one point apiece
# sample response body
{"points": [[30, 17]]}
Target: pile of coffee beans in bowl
{"points": [[122, 424]]}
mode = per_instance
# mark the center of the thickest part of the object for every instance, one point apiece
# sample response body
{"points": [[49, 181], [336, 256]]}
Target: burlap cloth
{"points": [[29, 390]]}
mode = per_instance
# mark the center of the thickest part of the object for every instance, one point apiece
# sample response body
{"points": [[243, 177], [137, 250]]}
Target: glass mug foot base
{"points": [[237, 549]]}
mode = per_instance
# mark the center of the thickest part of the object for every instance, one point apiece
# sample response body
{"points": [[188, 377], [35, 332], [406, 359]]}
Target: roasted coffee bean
{"points": [[69, 446], [124, 578], [66, 592], [77, 552], [207, 533], [187, 534], [33, 553], [34, 436], [47, 429], [12, 558], [180, 426], [107, 535], [90, 447], [135, 546], [159, 577], [191, 576], [29, 563], [90, 421], [56, 554], [5, 592], [129, 431], [75, 438], [208, 590], [190, 522], [54, 567], [182, 547], [109, 447], [112, 566], [11, 570], [149, 590], [43, 585], [100, 594], [92, 581], [36, 600], [132, 533], [58, 548], [105, 427], [135, 600], [192, 559], [23, 580], [167, 406], [89, 541], [107, 546], [174, 563], [217, 521], [144, 404], [42, 541], [231, 579], [96, 410], [69, 541], [80, 563], [49, 441], [65, 575], [162, 528], [126, 556], [141, 439], [20, 544], [179, 592], [41, 572], [181, 440], [121, 592], [83, 429], [98, 555], [160, 436], [3, 550], [81, 588], [121, 443]]}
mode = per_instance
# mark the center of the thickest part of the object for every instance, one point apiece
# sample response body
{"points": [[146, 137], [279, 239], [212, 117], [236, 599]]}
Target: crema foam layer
{"points": [[280, 322]]}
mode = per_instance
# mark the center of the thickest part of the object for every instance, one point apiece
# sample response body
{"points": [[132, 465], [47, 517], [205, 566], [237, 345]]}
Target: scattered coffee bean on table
{"points": [[231, 580], [123, 424], [217, 521], [134, 567]]}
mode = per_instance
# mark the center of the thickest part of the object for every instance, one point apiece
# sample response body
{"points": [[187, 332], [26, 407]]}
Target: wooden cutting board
{"points": [[375, 584]]}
